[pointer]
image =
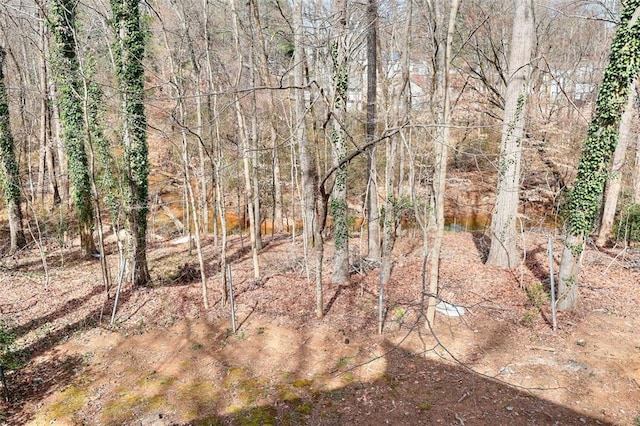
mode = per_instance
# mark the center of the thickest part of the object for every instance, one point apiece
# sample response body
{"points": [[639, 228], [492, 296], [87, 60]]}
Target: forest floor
{"points": [[169, 361]]}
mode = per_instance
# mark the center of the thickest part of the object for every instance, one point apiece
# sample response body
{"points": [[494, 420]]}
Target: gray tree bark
{"points": [[636, 172], [373, 215], [503, 251], [614, 182], [246, 149], [306, 152], [441, 148], [339, 140], [9, 173], [47, 163]]}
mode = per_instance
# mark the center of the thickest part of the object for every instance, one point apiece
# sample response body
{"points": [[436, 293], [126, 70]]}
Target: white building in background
{"points": [[578, 83]]}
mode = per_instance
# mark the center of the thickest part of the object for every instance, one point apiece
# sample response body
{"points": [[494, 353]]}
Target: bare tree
{"points": [[441, 142], [264, 77], [503, 251], [250, 190], [636, 172], [47, 160], [9, 173], [373, 219], [306, 153]]}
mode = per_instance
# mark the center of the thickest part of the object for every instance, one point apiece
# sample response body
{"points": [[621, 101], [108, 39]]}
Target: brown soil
{"points": [[168, 361]]}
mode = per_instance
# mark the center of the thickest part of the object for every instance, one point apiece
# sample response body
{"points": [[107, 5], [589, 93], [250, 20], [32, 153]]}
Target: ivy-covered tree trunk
{"points": [[614, 180], [339, 140], [602, 136], [129, 52], [67, 69], [9, 173], [503, 251]]}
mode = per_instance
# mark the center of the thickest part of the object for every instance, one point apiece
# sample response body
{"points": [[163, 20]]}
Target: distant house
{"points": [[577, 83]]}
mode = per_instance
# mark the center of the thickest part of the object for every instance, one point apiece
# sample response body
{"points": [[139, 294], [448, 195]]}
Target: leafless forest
{"points": [[343, 129]]}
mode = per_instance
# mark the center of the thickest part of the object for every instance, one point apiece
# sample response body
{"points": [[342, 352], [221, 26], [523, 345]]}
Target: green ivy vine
{"points": [[129, 51], [602, 137], [67, 67], [9, 174]]}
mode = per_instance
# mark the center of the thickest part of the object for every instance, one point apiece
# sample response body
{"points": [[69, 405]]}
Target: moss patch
{"points": [[257, 416], [122, 409], [71, 400], [302, 383], [198, 399], [148, 395], [304, 408], [247, 388]]}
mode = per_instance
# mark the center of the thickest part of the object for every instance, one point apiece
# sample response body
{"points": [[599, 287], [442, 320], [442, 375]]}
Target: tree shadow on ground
{"points": [[408, 388], [538, 267], [63, 310], [35, 380], [333, 299], [90, 320], [482, 242], [413, 390], [31, 384]]}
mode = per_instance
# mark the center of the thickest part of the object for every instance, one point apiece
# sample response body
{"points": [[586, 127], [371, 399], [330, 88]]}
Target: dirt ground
{"points": [[168, 361]]}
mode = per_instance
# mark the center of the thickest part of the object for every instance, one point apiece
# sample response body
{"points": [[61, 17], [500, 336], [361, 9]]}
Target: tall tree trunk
{"points": [[211, 110], [222, 214], [47, 163], [248, 188], [339, 140], [313, 213], [503, 251], [636, 172], [9, 173], [71, 115], [220, 196], [593, 168], [201, 173], [306, 152], [246, 148], [373, 219], [441, 141], [58, 147], [254, 202], [394, 104], [97, 144], [190, 203], [129, 52], [614, 181], [390, 219], [267, 79]]}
